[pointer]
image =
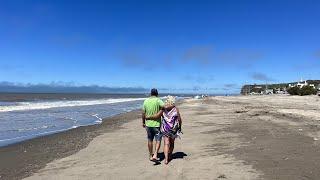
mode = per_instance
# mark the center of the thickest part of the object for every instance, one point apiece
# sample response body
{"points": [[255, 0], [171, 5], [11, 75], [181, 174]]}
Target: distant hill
{"points": [[8, 87], [261, 87]]}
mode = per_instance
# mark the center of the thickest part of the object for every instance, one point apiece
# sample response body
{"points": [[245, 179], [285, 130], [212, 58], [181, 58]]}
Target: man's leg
{"points": [[150, 147], [158, 138], [150, 136], [158, 144]]}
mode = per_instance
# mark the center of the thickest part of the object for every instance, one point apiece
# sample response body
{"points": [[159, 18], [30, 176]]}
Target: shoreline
{"points": [[240, 137], [22, 159], [26, 138]]}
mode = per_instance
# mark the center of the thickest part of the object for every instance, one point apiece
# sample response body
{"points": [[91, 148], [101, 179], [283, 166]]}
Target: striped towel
{"points": [[170, 123]]}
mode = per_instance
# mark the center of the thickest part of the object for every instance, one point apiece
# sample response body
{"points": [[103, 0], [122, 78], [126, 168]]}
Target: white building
{"points": [[268, 91], [280, 91], [301, 84]]}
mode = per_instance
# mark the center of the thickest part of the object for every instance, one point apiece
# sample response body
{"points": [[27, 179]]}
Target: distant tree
{"points": [[307, 90], [294, 91]]}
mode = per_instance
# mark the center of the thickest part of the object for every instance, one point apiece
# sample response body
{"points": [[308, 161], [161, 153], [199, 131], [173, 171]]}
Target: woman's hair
{"points": [[171, 100]]}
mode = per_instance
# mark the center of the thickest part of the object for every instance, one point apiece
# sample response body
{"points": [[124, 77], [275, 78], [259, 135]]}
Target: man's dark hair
{"points": [[154, 92]]}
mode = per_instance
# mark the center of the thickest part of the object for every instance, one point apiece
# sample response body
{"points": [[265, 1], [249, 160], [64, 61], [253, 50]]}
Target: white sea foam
{"points": [[96, 116], [21, 106]]}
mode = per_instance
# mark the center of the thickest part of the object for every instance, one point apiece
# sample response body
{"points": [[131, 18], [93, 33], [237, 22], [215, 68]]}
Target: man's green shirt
{"points": [[152, 106]]}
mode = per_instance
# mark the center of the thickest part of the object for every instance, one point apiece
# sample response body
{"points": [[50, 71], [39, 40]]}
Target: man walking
{"points": [[152, 106]]}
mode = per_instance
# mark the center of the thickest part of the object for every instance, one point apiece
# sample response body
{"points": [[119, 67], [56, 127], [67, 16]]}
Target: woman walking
{"points": [[170, 126]]}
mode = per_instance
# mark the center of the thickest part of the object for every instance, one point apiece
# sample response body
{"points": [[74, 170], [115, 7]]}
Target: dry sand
{"points": [[242, 137]]}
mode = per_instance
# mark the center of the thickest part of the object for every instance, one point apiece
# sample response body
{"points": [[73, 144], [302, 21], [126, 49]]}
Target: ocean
{"points": [[26, 116]]}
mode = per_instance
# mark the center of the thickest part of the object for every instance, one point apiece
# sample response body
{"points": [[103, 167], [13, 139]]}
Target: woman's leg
{"points": [[171, 146], [166, 149]]}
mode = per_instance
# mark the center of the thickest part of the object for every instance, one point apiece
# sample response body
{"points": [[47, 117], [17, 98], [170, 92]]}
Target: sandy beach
{"points": [[236, 137], [76, 79]]}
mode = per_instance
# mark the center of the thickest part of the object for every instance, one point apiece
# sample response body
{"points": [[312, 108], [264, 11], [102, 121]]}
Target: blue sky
{"points": [[179, 46]]}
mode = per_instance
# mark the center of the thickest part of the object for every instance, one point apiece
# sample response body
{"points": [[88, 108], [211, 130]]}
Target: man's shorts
{"points": [[154, 133]]}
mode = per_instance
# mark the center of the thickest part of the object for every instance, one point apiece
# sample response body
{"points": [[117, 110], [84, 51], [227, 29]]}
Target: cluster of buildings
{"points": [[260, 90], [302, 84]]}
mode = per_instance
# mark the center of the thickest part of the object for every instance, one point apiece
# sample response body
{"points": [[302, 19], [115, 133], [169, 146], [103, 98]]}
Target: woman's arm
{"points": [[179, 118], [155, 116]]}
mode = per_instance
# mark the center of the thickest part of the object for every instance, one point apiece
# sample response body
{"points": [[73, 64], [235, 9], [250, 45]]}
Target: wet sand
{"points": [[242, 137], [23, 159]]}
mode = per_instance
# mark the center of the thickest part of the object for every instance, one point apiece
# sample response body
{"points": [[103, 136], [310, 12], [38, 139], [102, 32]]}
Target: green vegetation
{"points": [[294, 91], [305, 90]]}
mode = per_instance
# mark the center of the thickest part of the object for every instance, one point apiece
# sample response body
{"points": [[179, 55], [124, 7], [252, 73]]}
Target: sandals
{"points": [[151, 158], [154, 159]]}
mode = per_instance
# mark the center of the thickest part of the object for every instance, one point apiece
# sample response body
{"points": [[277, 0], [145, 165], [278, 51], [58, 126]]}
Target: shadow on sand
{"points": [[176, 155]]}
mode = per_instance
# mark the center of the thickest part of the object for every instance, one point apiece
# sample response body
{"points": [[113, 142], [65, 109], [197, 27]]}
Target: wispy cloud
{"points": [[14, 69], [33, 14], [240, 55], [214, 88], [306, 65], [68, 41], [139, 58], [261, 77], [134, 60], [196, 88], [310, 63], [199, 54], [317, 54], [230, 85], [10, 67], [198, 79], [204, 55]]}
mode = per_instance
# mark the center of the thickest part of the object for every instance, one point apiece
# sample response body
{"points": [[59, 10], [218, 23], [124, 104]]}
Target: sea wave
{"points": [[22, 106]]}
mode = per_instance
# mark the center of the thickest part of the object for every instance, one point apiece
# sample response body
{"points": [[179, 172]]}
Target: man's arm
{"points": [[143, 116], [143, 119], [155, 116]]}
